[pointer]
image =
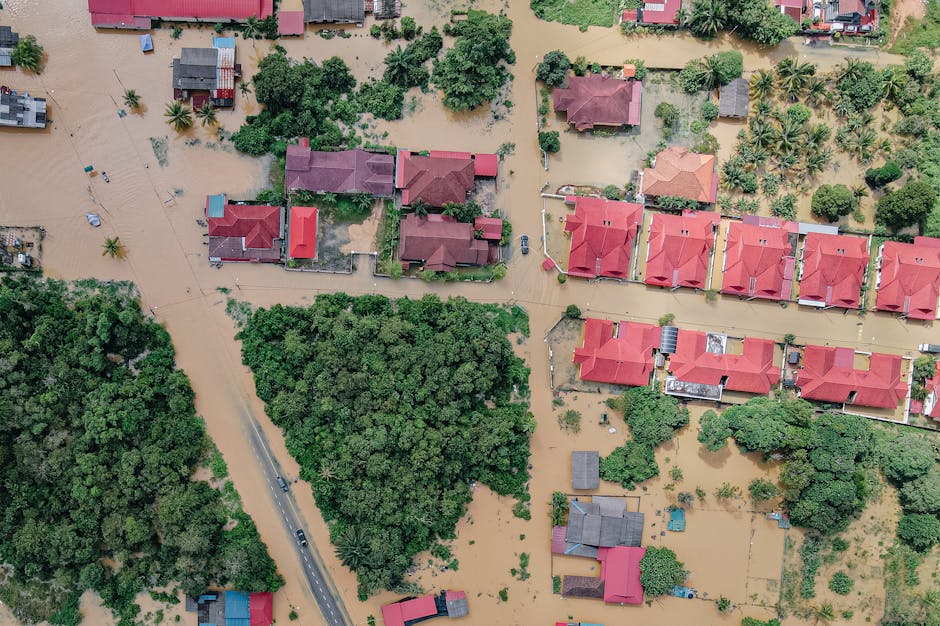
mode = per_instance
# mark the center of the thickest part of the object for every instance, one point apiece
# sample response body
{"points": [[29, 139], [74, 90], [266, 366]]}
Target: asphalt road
{"points": [[329, 601]]}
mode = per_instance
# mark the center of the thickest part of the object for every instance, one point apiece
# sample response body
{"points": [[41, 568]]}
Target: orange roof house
{"points": [[829, 375], [759, 261], [677, 172], [602, 236], [302, 238], [597, 100], [833, 270], [909, 278], [700, 358], [615, 353], [680, 248]]}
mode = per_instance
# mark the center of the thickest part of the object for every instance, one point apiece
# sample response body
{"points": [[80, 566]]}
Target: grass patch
{"points": [[341, 208], [868, 288], [582, 13], [923, 33]]}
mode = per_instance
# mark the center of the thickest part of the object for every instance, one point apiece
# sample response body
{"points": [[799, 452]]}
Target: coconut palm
{"points": [[790, 137], [206, 114], [420, 207], [859, 192], [362, 201], [178, 115], [131, 99], [818, 134], [352, 547], [816, 162], [792, 77], [763, 109], [398, 66], [893, 80], [113, 247], [682, 16], [786, 162], [251, 29], [762, 84], [245, 88], [708, 17], [763, 135], [815, 91], [328, 198], [850, 70]]}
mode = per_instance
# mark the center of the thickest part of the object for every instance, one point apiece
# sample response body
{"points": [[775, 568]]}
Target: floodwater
{"points": [[153, 208]]}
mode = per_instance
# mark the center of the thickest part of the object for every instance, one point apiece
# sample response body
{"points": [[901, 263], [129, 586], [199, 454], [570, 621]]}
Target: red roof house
{"points": [[346, 172], [290, 22], [602, 236], [833, 270], [680, 248], [909, 278], [620, 571], [677, 172], [829, 375], [491, 227], [621, 354], [243, 232], [656, 12], [759, 261], [440, 242], [261, 608], [598, 100], [435, 180], [931, 401], [411, 611], [302, 239], [752, 371], [793, 8], [138, 13]]}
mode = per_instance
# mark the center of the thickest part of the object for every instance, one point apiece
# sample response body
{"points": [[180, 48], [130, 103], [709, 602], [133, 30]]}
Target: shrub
{"points": [[573, 312], [798, 113], [28, 54], [668, 113], [831, 202], [709, 111], [660, 571], [549, 141], [878, 177], [571, 420], [727, 491], [761, 490], [784, 207], [409, 29], [840, 583], [723, 604], [666, 320], [612, 192], [553, 69]]}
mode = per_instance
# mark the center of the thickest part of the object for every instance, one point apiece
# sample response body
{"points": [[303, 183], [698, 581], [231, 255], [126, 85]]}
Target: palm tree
{"points": [[851, 70], [763, 109], [328, 198], [362, 201], [245, 88], [352, 548], [251, 29], [206, 114], [682, 16], [818, 134], [178, 115], [762, 84], [893, 80], [790, 135], [763, 135], [708, 17], [815, 91], [420, 207], [843, 107], [817, 161], [131, 99], [113, 247], [398, 66], [825, 613], [859, 192]]}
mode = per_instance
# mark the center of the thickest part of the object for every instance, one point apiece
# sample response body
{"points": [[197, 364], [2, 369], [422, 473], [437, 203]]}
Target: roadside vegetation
{"points": [[581, 13], [99, 441], [756, 20], [393, 409]]}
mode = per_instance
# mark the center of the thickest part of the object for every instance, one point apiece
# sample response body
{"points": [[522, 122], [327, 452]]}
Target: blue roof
{"points": [[146, 43], [237, 621], [236, 606], [217, 206], [223, 42]]}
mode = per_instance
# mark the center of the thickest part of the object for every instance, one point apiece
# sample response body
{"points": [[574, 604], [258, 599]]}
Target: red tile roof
{"points": [[680, 248], [626, 359], [620, 571], [650, 13], [492, 227], [829, 375], [910, 278], [486, 165], [398, 613], [179, 9], [759, 261], [440, 242], [558, 539], [602, 236], [833, 269], [753, 371], [303, 232], [680, 173], [290, 23], [347, 171], [597, 100], [436, 180], [245, 232]]}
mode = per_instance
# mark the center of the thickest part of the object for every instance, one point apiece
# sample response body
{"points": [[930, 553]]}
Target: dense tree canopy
{"points": [[715, 429], [98, 443], [554, 68], [907, 206], [392, 410], [831, 202], [749, 19], [712, 71], [660, 571], [920, 530]]}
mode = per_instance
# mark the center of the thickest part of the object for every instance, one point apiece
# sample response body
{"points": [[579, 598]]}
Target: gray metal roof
{"points": [[5, 60], [8, 39], [585, 469], [457, 607], [193, 76], [22, 110], [338, 11], [199, 56], [733, 98], [604, 522]]}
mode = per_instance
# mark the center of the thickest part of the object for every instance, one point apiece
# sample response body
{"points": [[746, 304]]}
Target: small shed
{"points": [[585, 469], [582, 587], [146, 43], [733, 98]]}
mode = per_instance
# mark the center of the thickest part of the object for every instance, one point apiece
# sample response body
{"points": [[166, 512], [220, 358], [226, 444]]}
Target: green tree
{"points": [[714, 431], [762, 490], [549, 141], [660, 571], [131, 99], [922, 495], [573, 312], [252, 138], [113, 248], [178, 115], [629, 464], [653, 416], [409, 28], [206, 114], [878, 177], [708, 17], [919, 530], [28, 54], [831, 202], [907, 206], [709, 111], [904, 456], [553, 69]]}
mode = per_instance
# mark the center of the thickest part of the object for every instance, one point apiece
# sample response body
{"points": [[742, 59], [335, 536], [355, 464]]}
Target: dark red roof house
{"points": [[302, 238], [620, 571], [484, 165], [833, 270], [621, 354], [657, 12], [829, 375], [138, 13], [792, 8], [244, 232], [759, 261], [413, 610], [602, 236], [679, 250], [597, 100], [440, 242], [435, 180], [909, 278], [752, 371], [491, 227], [345, 172], [931, 401]]}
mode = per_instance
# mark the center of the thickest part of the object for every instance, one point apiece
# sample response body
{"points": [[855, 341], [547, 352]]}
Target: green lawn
{"points": [[579, 12], [923, 33]]}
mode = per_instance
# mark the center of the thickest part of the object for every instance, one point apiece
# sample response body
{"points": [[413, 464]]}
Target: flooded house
{"points": [[410, 611], [244, 232], [441, 243], [21, 109], [342, 172], [908, 279], [832, 270], [931, 407], [680, 248], [618, 353], [707, 359], [139, 14], [844, 376], [603, 236], [656, 13], [794, 9], [207, 74], [585, 470], [734, 99], [8, 41], [599, 100], [759, 258], [232, 608], [440, 177], [679, 173], [302, 233]]}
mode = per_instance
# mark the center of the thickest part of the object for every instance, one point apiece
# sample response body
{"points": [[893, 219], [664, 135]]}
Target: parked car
{"points": [[282, 483], [301, 537], [930, 347], [524, 240]]}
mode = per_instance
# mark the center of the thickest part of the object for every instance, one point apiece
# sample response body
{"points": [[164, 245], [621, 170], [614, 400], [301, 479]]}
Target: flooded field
{"points": [[159, 180]]}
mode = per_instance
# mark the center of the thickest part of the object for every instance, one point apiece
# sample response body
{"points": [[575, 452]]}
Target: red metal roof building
{"points": [[435, 180], [657, 12], [679, 250], [290, 23], [620, 571], [602, 236], [832, 270], [243, 232], [793, 8], [759, 260], [621, 354], [829, 375], [598, 100], [302, 237], [491, 227], [345, 172], [752, 371], [414, 610], [440, 242], [908, 280], [261, 608], [931, 401], [138, 13]]}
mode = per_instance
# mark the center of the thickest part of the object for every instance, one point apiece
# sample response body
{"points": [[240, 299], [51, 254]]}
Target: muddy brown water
{"points": [[153, 208]]}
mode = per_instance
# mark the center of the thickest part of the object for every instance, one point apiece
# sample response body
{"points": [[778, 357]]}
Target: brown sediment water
{"points": [[153, 208]]}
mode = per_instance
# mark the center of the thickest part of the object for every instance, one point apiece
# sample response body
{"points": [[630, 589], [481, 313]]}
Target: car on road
{"points": [[301, 537], [524, 240], [282, 483]]}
